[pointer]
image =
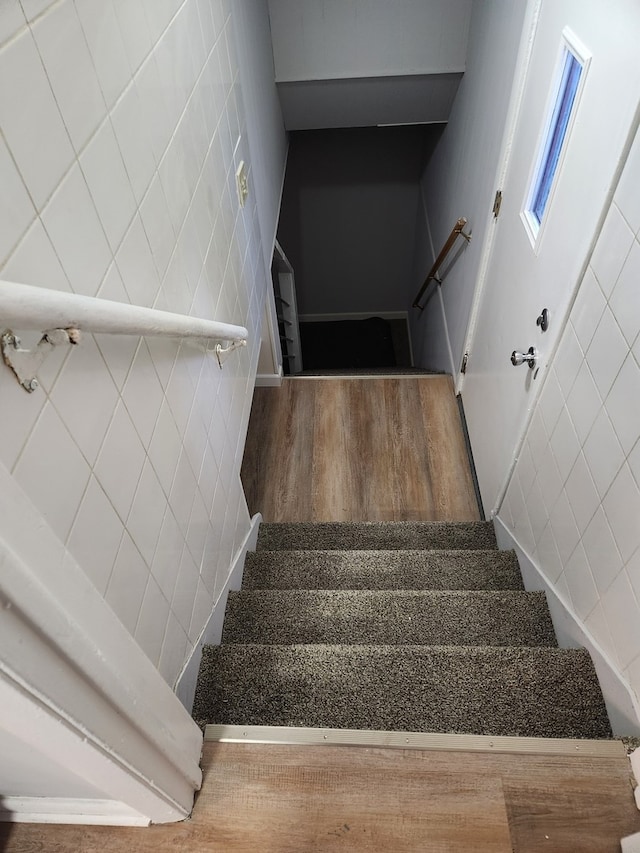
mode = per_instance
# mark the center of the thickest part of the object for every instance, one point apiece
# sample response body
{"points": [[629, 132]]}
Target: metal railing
{"points": [[457, 231]]}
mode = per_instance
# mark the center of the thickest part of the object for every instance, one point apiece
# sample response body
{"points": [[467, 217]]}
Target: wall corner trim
{"points": [[212, 632], [270, 380], [74, 684]]}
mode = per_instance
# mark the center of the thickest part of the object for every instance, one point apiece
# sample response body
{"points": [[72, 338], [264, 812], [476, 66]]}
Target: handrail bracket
{"points": [[223, 351], [25, 363]]}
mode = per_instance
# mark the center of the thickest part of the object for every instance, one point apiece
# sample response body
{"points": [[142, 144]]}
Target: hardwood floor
{"points": [[358, 449], [291, 799]]}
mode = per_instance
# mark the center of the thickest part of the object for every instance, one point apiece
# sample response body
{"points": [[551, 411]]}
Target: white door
{"points": [[525, 274]]}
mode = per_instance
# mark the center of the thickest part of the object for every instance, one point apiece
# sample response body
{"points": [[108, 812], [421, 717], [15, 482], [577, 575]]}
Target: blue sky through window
{"points": [[571, 72]]}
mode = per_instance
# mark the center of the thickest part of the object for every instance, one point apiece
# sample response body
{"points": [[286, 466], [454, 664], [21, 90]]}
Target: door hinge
{"points": [[497, 203], [465, 361]]}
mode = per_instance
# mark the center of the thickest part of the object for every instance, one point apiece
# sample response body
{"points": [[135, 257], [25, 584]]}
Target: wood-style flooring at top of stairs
{"points": [[335, 799], [358, 449]]}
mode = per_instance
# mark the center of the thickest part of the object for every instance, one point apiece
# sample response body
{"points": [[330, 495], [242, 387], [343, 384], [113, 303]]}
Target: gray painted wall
{"points": [[459, 180], [369, 101], [265, 126], [27, 773], [324, 39], [359, 63], [348, 216]]}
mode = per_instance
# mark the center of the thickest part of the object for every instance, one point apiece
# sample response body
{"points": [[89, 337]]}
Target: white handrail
{"points": [[29, 308]]}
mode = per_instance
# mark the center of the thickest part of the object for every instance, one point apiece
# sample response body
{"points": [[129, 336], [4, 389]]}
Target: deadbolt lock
{"points": [[543, 320]]}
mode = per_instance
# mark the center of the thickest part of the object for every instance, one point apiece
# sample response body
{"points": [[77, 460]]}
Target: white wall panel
{"points": [[24, 772], [595, 518]]}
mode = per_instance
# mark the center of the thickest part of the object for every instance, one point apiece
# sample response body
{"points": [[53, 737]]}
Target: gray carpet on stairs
{"points": [[378, 535], [496, 691], [348, 625], [385, 617], [462, 569]]}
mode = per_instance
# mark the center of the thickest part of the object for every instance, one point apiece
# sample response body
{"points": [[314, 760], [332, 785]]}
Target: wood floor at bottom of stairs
{"points": [[293, 799]]}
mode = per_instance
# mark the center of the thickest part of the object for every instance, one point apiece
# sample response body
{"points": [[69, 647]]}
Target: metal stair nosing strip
{"points": [[427, 741]]}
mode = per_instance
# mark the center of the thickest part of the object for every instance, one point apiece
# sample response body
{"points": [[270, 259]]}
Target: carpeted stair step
{"points": [[414, 626], [376, 535], [461, 569], [388, 617], [540, 692]]}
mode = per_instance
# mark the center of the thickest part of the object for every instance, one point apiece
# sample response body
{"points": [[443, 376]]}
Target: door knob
{"points": [[531, 357]]}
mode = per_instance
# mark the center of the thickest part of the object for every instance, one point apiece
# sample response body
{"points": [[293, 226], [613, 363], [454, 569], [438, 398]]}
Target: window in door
{"points": [[565, 93]]}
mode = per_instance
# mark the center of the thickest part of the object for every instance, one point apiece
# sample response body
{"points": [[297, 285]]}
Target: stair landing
{"points": [[355, 449]]}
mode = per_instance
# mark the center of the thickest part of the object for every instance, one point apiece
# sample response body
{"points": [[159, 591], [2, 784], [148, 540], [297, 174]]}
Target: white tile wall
{"points": [[63, 49], [94, 546], [16, 208], [122, 124], [74, 228], [108, 183], [581, 463], [11, 18], [30, 115]]}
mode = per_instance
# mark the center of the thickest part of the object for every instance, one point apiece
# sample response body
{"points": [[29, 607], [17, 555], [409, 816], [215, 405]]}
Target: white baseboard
{"points": [[269, 380], [622, 708], [631, 844], [356, 315], [69, 811], [212, 633]]}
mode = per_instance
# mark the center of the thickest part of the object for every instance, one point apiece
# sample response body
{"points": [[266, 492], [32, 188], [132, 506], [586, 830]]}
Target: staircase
{"points": [[408, 626]]}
